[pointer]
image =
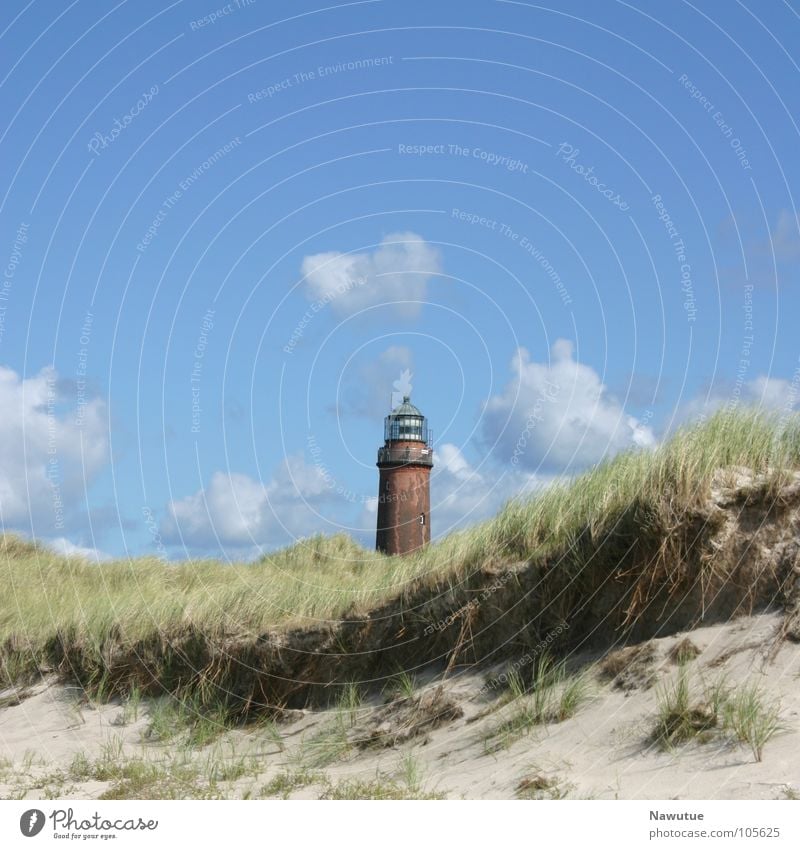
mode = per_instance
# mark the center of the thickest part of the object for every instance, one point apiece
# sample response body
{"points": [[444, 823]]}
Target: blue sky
{"points": [[229, 231]]}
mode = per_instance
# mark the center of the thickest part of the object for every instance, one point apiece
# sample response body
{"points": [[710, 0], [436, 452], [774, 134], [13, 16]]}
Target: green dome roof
{"points": [[406, 409]]}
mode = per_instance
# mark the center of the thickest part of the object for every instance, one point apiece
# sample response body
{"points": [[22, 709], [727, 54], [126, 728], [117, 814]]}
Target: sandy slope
{"points": [[601, 752]]}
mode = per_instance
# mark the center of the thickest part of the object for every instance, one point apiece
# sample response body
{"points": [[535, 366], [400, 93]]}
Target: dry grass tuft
{"points": [[410, 717], [631, 668], [683, 652]]}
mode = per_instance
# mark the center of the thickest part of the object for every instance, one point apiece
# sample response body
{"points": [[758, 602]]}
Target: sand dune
{"points": [[53, 744]]}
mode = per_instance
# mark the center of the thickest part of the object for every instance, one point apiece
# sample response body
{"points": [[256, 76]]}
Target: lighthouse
{"points": [[405, 461]]}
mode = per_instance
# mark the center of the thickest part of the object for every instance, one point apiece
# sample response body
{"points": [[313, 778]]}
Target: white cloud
{"points": [[376, 384], [786, 236], [558, 416], [66, 548], [397, 270], [230, 508], [237, 511], [771, 394], [462, 494], [47, 456]]}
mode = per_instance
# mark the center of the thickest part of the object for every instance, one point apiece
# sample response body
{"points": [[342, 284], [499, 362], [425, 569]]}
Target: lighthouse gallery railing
{"points": [[421, 456]]}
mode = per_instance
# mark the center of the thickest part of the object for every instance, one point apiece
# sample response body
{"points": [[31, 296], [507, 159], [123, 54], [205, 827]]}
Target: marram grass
{"points": [[50, 603]]}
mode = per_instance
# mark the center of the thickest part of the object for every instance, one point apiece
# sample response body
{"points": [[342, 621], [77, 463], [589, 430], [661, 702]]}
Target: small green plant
{"points": [[16, 670], [552, 696], [332, 742], [517, 688], [111, 763], [164, 719], [100, 688], [718, 695], [28, 758], [378, 789], [112, 749], [205, 726], [678, 721], [286, 783], [545, 677], [401, 686], [229, 769], [411, 773], [130, 708], [80, 768], [349, 703], [199, 724], [267, 727], [575, 691], [147, 781], [753, 718], [223, 763], [328, 745]]}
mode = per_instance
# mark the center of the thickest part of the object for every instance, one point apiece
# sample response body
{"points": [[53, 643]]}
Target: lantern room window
{"points": [[406, 423]]}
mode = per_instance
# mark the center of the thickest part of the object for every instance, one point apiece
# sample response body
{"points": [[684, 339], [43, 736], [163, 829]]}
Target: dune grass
{"points": [[148, 773], [679, 720], [754, 717], [51, 604], [746, 713], [553, 695]]}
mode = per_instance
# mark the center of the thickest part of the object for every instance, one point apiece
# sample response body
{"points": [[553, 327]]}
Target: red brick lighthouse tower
{"points": [[404, 494]]}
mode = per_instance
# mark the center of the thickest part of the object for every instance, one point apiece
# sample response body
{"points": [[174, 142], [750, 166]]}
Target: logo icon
{"points": [[31, 822]]}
